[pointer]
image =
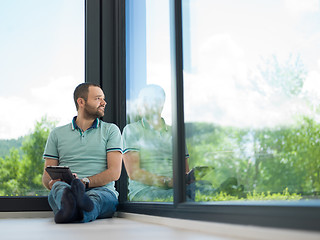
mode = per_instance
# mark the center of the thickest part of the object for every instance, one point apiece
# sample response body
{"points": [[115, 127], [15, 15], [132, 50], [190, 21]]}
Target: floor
{"points": [[138, 227], [115, 228]]}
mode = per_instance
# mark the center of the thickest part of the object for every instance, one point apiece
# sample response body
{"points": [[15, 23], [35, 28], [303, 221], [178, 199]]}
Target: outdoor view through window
{"points": [[252, 94], [41, 62]]}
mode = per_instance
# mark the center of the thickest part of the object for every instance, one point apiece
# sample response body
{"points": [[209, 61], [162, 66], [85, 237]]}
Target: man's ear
{"points": [[80, 102]]}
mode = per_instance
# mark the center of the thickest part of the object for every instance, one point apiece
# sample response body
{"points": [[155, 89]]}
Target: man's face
{"points": [[95, 104]]}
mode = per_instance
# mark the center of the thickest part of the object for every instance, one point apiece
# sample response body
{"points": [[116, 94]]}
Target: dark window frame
{"points": [[105, 64]]}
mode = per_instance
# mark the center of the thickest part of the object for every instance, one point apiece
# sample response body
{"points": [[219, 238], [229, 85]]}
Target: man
{"points": [[148, 151], [92, 150]]}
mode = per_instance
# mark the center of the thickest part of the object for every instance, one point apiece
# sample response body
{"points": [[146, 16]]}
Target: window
{"points": [[251, 90], [231, 72], [41, 62], [147, 136]]}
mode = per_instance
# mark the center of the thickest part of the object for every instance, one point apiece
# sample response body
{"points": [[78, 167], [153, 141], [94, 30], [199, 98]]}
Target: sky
{"points": [[229, 40], [226, 43], [42, 59], [41, 62]]}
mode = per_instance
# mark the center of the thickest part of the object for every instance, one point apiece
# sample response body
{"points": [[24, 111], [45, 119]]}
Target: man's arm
{"points": [[46, 179], [112, 173], [132, 164], [187, 165]]}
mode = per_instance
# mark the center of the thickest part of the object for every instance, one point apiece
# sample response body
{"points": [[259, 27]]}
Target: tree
{"points": [[32, 161], [21, 174], [10, 168], [284, 78]]}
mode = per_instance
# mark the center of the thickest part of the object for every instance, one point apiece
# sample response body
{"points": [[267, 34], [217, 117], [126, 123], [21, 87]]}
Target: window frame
{"points": [[292, 215]]}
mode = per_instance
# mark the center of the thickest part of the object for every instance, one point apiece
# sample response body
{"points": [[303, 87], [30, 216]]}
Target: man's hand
{"points": [[51, 182]]}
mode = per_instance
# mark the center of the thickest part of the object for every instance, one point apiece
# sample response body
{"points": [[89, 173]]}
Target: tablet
{"points": [[60, 172]]}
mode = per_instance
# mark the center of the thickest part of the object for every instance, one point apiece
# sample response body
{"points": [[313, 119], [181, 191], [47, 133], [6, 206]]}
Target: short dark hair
{"points": [[82, 91]]}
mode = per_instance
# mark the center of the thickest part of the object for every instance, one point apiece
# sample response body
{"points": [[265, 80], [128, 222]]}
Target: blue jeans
{"points": [[105, 202]]}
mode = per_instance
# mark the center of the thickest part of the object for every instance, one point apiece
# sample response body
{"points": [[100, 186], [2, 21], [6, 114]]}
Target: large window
{"points": [[41, 62], [251, 90], [147, 136]]}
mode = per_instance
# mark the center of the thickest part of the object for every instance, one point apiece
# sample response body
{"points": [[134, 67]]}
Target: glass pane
{"points": [[251, 85], [147, 136], [41, 62]]}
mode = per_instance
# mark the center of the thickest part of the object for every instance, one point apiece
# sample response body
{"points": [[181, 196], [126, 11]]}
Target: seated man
{"points": [[92, 150], [148, 151]]}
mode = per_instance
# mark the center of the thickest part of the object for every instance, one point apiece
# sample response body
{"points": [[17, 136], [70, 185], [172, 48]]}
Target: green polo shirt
{"points": [[84, 152]]}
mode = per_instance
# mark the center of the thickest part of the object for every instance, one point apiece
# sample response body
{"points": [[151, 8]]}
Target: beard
{"points": [[93, 112]]}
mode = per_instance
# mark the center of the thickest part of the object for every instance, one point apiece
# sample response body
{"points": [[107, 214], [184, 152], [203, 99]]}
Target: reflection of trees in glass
{"points": [[285, 78], [281, 159], [20, 174], [261, 160]]}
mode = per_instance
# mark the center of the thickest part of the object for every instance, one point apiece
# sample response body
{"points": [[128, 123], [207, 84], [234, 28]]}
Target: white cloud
{"points": [[160, 74], [311, 87], [222, 91], [15, 118], [232, 106], [54, 100], [298, 7]]}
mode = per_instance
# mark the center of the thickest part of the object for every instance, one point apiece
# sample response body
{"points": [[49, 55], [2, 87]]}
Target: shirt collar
{"points": [[74, 125]]}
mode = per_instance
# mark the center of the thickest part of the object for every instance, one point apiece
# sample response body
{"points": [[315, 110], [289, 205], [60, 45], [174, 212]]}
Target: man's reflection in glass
{"points": [[148, 150]]}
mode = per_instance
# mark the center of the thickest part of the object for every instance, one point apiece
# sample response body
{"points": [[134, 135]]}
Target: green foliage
{"points": [[262, 160], [8, 172], [7, 144], [251, 196], [285, 195], [20, 174], [222, 196]]}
